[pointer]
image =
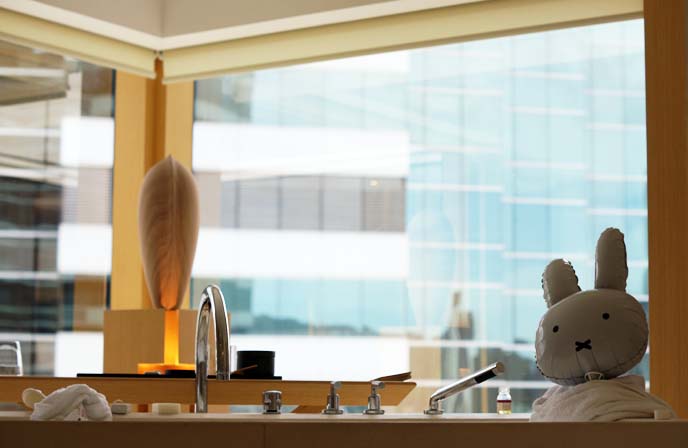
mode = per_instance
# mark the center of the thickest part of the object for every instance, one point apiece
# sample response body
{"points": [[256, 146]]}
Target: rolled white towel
{"points": [[72, 402], [611, 400]]}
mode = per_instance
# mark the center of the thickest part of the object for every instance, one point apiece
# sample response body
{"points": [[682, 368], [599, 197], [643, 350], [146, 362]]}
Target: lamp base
{"points": [[144, 367], [137, 337]]}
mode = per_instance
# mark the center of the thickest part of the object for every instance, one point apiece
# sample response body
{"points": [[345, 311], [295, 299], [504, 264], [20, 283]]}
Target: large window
{"points": [[56, 152], [394, 212]]}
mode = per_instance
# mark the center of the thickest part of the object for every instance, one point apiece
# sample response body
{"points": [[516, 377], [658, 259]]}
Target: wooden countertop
{"points": [[295, 418], [305, 431]]}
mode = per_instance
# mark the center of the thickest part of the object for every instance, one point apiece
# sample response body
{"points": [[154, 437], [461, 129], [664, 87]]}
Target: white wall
{"points": [[86, 249], [245, 253], [270, 150]]}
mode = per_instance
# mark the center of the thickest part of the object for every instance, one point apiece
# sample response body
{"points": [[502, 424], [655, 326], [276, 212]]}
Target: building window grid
{"points": [[367, 208]]}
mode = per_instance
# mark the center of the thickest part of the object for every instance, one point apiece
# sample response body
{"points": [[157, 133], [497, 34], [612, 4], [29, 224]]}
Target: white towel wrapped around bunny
{"points": [[595, 336]]}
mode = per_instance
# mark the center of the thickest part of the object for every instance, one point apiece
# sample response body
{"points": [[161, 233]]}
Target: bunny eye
{"points": [[555, 329], [605, 316]]}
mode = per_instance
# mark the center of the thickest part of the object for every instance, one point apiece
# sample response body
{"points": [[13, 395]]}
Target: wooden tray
{"points": [[182, 390]]}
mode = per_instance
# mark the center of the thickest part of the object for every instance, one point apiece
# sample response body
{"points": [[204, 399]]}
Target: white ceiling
{"points": [[139, 15], [166, 24]]}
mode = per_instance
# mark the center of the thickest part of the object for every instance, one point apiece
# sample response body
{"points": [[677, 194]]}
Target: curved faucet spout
{"points": [[461, 385], [212, 304]]}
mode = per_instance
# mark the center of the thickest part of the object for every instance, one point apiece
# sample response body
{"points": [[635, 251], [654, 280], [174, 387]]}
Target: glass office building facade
{"points": [[399, 208], [56, 153]]}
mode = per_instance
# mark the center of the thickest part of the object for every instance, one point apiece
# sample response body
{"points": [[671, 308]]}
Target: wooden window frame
{"points": [[666, 87]]}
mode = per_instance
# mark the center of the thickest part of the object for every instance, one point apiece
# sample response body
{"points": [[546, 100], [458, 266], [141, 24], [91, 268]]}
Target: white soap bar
{"points": [[167, 408], [120, 408]]}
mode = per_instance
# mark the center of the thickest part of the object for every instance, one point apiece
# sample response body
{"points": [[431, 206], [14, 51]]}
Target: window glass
{"points": [[56, 152], [399, 208]]}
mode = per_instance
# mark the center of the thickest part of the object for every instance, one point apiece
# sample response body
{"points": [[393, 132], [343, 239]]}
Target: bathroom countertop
{"points": [[345, 431], [296, 418]]}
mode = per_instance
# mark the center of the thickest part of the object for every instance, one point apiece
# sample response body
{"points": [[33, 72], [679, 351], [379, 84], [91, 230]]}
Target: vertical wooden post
{"points": [[178, 113], [134, 142], [152, 121], [667, 165]]}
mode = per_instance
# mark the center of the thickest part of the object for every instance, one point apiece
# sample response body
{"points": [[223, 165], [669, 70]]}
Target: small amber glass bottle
{"points": [[504, 401]]}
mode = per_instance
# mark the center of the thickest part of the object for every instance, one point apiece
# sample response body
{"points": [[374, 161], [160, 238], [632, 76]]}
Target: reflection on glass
{"points": [[56, 149], [396, 211]]}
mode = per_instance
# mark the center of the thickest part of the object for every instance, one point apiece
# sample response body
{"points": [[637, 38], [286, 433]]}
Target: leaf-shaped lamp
{"points": [[168, 231]]}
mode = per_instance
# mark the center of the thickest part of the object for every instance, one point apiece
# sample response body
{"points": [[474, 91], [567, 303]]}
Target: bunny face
{"points": [[603, 330]]}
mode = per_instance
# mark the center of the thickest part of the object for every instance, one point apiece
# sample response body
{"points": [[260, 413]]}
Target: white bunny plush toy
{"points": [[587, 340]]}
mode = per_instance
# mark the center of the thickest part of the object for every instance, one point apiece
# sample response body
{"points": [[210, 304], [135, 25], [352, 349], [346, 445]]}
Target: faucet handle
{"points": [[332, 407], [272, 402], [374, 401]]}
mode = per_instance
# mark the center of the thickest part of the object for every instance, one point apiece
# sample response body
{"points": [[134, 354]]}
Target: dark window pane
{"points": [[342, 203], [259, 204]]}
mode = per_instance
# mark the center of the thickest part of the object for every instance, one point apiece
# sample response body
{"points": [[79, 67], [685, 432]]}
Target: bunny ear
{"points": [[611, 270], [559, 281]]}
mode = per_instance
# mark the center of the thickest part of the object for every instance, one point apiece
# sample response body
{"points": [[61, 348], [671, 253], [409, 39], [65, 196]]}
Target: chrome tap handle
{"points": [[374, 401], [332, 407]]}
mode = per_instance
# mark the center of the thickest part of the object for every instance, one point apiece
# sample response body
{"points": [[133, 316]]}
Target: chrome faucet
{"points": [[212, 304], [332, 407], [461, 385]]}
